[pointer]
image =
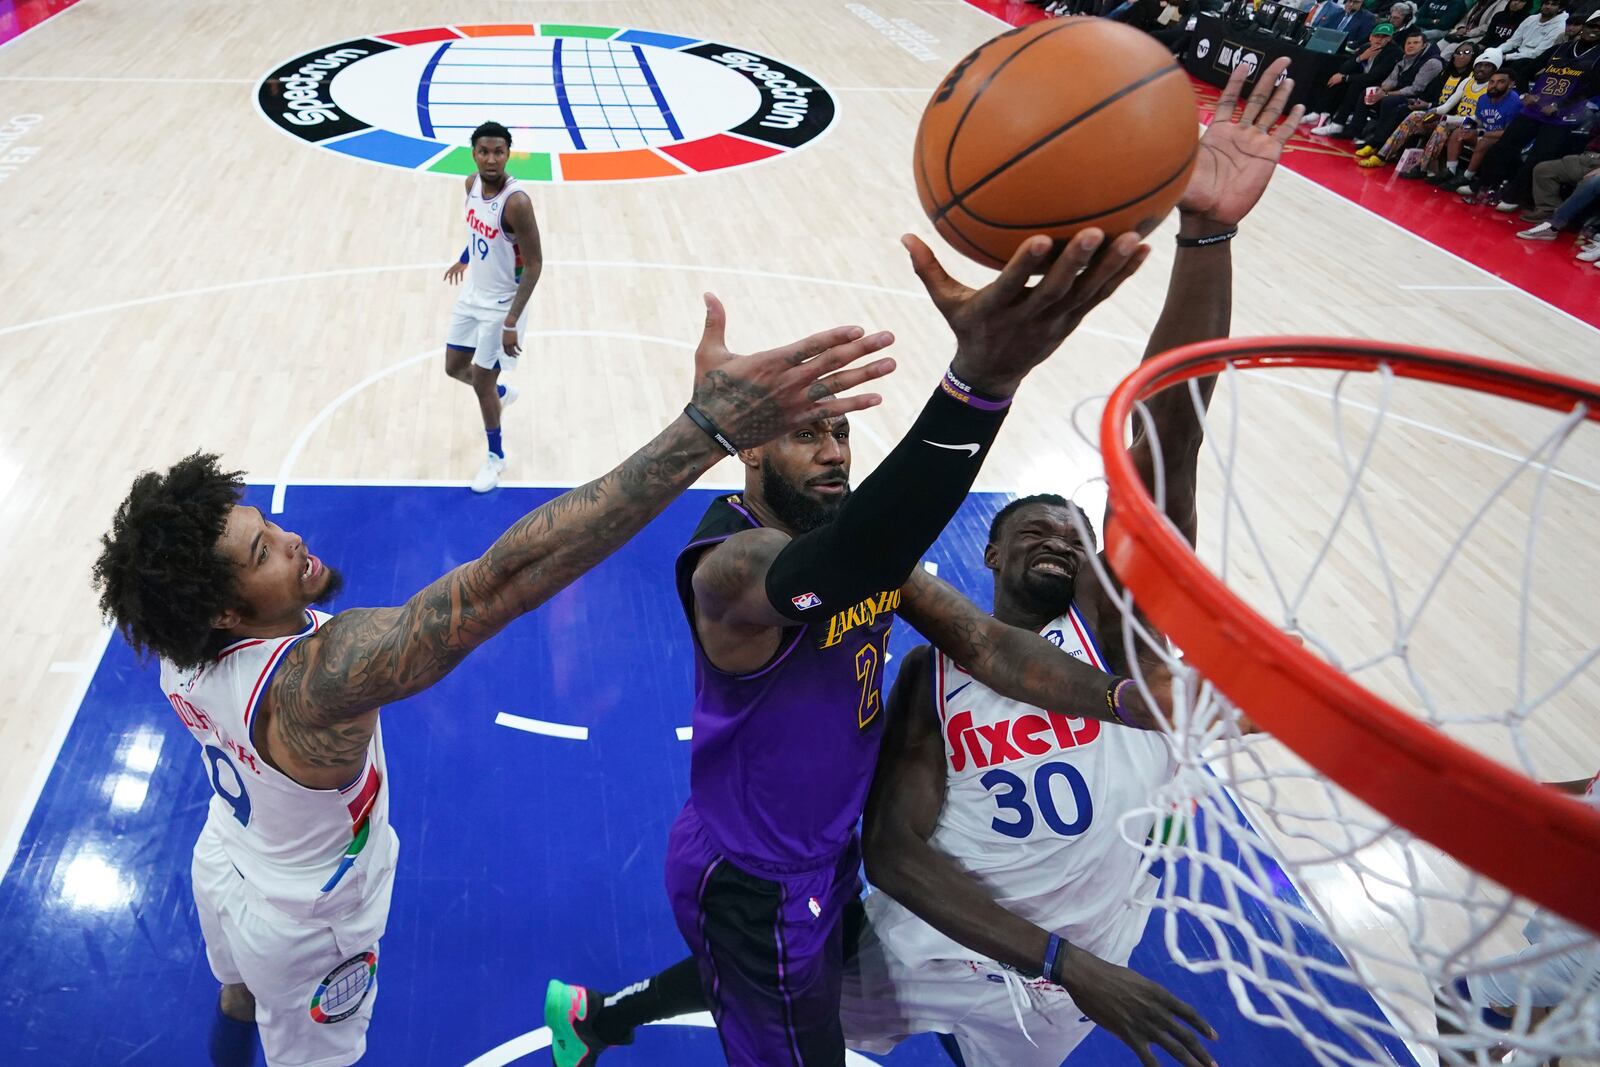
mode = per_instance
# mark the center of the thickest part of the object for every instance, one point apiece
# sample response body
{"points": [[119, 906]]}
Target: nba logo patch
{"points": [[342, 992], [806, 601], [816, 909]]}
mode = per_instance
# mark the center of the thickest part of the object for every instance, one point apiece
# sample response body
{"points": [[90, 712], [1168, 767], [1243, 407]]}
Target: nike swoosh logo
{"points": [[507, 300], [969, 449], [956, 690]]}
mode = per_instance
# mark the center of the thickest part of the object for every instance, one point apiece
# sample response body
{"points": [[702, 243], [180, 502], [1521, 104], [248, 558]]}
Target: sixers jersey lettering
{"points": [[782, 757], [1033, 808], [494, 262], [306, 851]]}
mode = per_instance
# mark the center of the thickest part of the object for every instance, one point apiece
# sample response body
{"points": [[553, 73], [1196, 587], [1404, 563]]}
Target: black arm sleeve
{"points": [[887, 524]]}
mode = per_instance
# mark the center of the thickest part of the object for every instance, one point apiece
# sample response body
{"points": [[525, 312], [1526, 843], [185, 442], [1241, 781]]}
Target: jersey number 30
{"points": [[1014, 799], [226, 781]]}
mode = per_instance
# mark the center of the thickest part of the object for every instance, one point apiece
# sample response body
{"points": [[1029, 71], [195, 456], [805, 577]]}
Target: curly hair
{"points": [[159, 575]]}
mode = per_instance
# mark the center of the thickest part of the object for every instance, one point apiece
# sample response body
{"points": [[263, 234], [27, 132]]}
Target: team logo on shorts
{"points": [[583, 103], [340, 994]]}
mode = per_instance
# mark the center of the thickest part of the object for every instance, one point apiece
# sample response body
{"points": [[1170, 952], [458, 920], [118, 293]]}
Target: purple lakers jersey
{"points": [[782, 757]]}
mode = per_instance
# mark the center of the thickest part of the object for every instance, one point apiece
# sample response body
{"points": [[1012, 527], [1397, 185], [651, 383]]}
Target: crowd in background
{"points": [[1497, 101]]}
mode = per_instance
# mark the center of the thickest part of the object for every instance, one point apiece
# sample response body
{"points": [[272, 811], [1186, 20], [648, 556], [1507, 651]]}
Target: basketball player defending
{"points": [[502, 262], [294, 867], [949, 844]]}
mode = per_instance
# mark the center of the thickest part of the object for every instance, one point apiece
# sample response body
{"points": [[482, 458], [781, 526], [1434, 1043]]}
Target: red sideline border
{"points": [[1479, 235], [17, 17]]}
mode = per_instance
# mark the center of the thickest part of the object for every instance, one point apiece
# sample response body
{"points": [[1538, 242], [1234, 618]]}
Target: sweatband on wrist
{"points": [[1052, 950], [698, 417], [885, 526], [1209, 239], [957, 389], [463, 258], [1114, 699]]}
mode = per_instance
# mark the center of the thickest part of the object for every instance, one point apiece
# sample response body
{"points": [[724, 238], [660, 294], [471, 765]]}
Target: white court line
{"points": [[70, 666], [31, 29], [539, 726], [282, 481], [1503, 287], [134, 81], [279, 279], [47, 758], [684, 733]]}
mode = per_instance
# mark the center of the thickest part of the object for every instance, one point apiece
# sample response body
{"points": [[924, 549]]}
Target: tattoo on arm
{"points": [[730, 583], [364, 658]]}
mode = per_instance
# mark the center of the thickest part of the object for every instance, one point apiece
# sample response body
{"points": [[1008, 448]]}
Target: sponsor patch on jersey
{"points": [[341, 993], [806, 601]]}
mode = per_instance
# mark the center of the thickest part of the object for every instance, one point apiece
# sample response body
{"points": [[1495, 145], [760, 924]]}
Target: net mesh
{"points": [[1453, 575]]}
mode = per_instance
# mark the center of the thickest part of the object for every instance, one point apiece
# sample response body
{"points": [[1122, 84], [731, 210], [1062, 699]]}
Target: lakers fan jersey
{"points": [[1033, 809], [494, 263], [307, 851]]}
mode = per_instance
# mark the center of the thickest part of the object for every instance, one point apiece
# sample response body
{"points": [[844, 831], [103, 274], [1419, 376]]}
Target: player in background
{"points": [[294, 867], [502, 263], [1044, 587]]}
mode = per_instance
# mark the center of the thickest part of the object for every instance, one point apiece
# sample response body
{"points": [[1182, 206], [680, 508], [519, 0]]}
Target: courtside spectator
{"points": [[1347, 18], [1386, 138], [1342, 94], [1580, 170], [1547, 127], [1497, 109], [1475, 24], [1440, 122], [1534, 38], [1435, 18], [1412, 74]]}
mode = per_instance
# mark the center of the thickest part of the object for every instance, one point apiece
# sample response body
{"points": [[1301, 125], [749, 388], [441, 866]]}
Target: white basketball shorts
{"points": [[477, 328], [314, 984], [886, 1001]]}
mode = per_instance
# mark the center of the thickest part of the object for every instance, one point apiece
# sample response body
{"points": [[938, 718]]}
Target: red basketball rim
{"points": [[1525, 836]]}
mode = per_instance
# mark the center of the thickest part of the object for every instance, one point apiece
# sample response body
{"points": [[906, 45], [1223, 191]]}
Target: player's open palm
{"points": [[1241, 147], [753, 399], [1141, 1013], [1009, 327]]}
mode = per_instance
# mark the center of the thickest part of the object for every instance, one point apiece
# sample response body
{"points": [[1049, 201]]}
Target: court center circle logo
{"points": [[583, 103]]}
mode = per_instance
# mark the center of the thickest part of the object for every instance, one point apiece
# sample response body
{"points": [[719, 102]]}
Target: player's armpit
{"points": [[730, 581]]}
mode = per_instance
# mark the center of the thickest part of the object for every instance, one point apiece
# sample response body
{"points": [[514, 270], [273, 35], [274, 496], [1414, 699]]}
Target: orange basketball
{"points": [[1051, 128]]}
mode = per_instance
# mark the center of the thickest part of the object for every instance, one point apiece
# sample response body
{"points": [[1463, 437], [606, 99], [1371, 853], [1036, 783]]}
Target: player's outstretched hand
{"points": [[1139, 1012], [456, 272], [755, 398], [1240, 149], [1009, 327]]}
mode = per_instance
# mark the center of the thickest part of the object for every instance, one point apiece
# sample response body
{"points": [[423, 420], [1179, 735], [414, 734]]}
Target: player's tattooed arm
{"points": [[1018, 663], [364, 658]]}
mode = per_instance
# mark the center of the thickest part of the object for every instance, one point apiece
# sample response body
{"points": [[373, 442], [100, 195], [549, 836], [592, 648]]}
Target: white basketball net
{"points": [[1453, 576]]}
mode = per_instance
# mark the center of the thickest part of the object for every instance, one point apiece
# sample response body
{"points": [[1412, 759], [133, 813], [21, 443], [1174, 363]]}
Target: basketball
{"points": [[1051, 128]]}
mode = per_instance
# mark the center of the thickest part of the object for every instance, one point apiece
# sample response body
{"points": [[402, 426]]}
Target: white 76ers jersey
{"points": [[1032, 809], [306, 851], [494, 263]]}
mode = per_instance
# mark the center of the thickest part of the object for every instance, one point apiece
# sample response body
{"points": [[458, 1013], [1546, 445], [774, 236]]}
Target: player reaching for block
{"points": [[982, 875], [294, 867]]}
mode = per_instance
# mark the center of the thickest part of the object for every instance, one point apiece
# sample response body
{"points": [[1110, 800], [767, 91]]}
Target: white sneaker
{"points": [[1590, 253], [488, 475], [512, 392], [1328, 129], [1542, 232], [1316, 118], [1506, 207]]}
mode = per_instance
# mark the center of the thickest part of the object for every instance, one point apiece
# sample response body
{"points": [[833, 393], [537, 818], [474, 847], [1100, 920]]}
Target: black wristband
{"points": [[698, 417], [1210, 239]]}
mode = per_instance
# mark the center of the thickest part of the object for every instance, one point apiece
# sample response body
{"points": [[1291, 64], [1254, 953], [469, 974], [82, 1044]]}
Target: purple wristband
{"points": [[1114, 700], [966, 394]]}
